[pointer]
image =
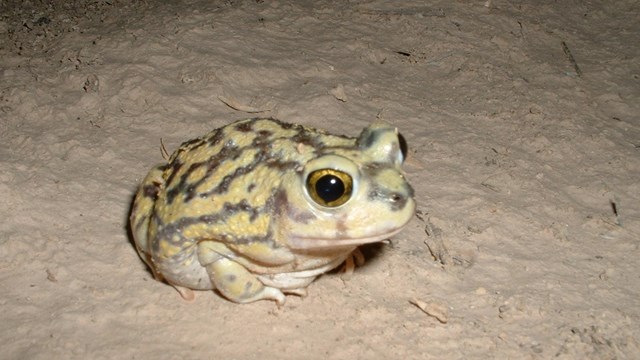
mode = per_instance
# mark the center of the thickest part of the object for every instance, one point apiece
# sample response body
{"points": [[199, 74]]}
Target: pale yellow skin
{"points": [[233, 210]]}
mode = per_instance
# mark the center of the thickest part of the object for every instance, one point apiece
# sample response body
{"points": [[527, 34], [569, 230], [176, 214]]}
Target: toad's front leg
{"points": [[233, 280]]}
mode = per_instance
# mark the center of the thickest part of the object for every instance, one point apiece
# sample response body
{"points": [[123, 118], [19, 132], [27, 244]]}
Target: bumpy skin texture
{"points": [[234, 211]]}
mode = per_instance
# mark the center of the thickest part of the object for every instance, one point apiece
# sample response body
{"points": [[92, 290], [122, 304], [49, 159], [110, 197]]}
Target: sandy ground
{"points": [[526, 167]]}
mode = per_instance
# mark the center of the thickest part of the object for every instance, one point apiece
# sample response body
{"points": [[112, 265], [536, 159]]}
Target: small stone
{"points": [[338, 93], [92, 84]]}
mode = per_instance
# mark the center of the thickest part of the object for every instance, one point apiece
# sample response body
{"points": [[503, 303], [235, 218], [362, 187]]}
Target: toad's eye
{"points": [[329, 187]]}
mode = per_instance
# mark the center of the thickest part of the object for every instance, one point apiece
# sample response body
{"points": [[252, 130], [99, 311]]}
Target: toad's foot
{"points": [[356, 258], [186, 293], [302, 292]]}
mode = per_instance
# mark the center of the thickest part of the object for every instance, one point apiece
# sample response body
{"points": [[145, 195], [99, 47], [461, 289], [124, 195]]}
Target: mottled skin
{"points": [[233, 210]]}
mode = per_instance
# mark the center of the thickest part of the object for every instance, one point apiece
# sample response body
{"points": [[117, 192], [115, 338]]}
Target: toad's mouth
{"points": [[311, 243]]}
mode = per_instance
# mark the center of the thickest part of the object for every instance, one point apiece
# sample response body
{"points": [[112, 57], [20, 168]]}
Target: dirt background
{"points": [[526, 168]]}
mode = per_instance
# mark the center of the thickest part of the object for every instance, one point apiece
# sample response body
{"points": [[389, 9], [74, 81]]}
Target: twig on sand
{"points": [[237, 105], [163, 151], [614, 207], [434, 309], [572, 60]]}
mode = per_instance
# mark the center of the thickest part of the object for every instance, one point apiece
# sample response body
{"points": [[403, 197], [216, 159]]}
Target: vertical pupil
{"points": [[329, 188]]}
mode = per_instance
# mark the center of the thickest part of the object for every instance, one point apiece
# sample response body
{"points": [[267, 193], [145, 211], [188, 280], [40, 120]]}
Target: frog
{"points": [[259, 208]]}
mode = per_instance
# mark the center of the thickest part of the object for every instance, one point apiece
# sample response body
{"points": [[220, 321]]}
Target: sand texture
{"points": [[522, 120]]}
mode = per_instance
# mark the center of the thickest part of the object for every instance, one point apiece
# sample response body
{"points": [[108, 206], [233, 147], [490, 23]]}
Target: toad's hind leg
{"points": [[237, 284], [233, 280]]}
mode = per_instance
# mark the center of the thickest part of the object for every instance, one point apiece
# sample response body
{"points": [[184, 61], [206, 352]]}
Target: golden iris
{"points": [[329, 187]]}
